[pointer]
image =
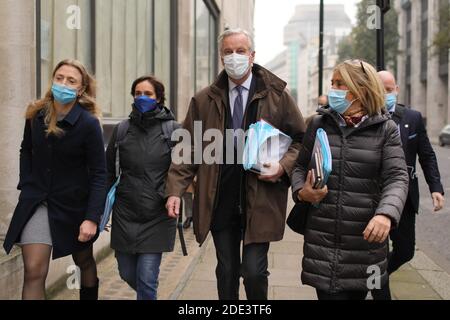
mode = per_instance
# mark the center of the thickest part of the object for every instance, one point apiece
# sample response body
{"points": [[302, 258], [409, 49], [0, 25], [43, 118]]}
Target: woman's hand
{"points": [[88, 230], [378, 229], [309, 194]]}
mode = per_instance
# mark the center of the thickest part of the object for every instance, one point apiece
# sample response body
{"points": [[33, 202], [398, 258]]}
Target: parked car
{"points": [[444, 137]]}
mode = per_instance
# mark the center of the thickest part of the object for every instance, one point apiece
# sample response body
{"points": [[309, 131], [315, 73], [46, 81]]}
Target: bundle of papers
{"points": [[321, 161], [265, 145], [110, 199]]}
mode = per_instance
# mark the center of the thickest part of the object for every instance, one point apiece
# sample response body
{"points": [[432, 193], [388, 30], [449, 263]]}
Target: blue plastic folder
{"points": [[109, 204], [265, 144], [321, 160]]}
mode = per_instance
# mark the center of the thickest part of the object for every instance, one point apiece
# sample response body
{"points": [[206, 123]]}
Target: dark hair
{"points": [[159, 87]]}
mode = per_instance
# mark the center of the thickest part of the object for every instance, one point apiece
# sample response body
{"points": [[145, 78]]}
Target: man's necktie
{"points": [[238, 111]]}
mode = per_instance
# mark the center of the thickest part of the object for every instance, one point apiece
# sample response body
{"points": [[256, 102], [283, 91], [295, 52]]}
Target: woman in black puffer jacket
{"points": [[346, 237]]}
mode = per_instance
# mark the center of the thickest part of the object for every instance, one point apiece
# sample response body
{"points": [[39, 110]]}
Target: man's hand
{"points": [[438, 201], [173, 207], [309, 194], [378, 229], [88, 230], [272, 172]]}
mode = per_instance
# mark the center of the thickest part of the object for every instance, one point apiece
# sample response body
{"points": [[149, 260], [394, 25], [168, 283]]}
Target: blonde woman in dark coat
{"points": [[346, 237]]}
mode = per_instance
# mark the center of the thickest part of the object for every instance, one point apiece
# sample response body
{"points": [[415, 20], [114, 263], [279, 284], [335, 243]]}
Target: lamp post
{"points": [[384, 6], [321, 48]]}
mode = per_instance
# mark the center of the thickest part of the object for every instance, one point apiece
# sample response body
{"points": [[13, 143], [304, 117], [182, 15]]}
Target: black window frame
{"points": [[424, 34]]}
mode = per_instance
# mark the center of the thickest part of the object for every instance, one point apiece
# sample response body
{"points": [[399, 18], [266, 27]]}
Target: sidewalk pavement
{"points": [[193, 277]]}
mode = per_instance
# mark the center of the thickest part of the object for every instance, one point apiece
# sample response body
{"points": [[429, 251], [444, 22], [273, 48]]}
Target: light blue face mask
{"points": [[338, 101], [391, 101], [63, 94]]}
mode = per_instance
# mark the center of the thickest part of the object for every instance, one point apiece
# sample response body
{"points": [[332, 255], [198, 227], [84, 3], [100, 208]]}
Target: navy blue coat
{"points": [[68, 172], [416, 144]]}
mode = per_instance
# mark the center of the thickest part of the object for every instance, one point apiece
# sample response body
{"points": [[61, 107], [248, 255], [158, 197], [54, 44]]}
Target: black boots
{"points": [[90, 294]]}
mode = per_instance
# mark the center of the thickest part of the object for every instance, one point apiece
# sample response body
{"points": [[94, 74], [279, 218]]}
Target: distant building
{"points": [[301, 37], [280, 65]]}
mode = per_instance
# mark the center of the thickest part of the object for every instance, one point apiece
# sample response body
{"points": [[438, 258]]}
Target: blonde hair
{"points": [[363, 82], [86, 100]]}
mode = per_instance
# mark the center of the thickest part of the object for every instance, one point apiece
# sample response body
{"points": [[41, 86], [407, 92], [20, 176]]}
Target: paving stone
{"points": [[413, 291], [287, 247], [287, 262], [285, 278], [407, 276], [422, 262], [294, 293], [200, 290], [440, 281]]}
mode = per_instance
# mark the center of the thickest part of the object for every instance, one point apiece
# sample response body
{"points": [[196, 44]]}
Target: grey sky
{"points": [[272, 15]]}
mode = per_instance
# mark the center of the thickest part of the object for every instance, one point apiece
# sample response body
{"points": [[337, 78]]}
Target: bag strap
{"points": [[121, 134], [168, 127], [180, 230]]}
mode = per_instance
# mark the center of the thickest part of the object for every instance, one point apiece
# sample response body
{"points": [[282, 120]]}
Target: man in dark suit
{"points": [[415, 143]]}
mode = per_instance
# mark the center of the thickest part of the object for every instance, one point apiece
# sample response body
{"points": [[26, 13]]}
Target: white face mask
{"points": [[236, 65]]}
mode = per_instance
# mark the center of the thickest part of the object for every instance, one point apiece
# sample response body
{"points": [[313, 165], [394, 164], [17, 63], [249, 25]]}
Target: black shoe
{"points": [[187, 223]]}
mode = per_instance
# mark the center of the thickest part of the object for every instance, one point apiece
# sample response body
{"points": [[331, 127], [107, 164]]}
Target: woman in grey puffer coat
{"points": [[346, 237]]}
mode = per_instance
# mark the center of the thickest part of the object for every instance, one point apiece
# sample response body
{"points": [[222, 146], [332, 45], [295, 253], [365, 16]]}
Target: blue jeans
{"points": [[141, 272]]}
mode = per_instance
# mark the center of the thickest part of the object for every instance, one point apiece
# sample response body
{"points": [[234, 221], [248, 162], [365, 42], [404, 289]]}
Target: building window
{"points": [[205, 43], [424, 42], [64, 32], [162, 44], [444, 18], [118, 41], [408, 29]]}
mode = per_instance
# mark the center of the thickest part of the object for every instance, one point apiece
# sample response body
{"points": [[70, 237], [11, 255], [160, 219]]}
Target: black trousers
{"points": [[345, 295], [403, 240], [253, 267], [403, 248]]}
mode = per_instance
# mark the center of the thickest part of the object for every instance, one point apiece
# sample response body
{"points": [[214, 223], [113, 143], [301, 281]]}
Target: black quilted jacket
{"points": [[369, 178]]}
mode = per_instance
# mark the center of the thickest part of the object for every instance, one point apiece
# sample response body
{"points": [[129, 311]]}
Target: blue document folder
{"points": [[109, 204], [321, 160]]}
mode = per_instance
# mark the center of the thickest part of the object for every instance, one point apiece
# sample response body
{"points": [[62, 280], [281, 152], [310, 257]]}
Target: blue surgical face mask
{"points": [[391, 101], [338, 101], [63, 94], [145, 104]]}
